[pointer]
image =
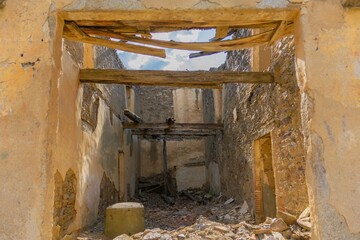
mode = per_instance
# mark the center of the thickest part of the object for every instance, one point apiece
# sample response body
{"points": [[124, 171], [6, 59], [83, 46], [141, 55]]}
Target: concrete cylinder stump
{"points": [[126, 217]]}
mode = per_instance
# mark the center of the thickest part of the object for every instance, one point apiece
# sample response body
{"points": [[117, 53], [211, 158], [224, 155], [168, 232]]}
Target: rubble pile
{"points": [[271, 229], [189, 205], [220, 218]]}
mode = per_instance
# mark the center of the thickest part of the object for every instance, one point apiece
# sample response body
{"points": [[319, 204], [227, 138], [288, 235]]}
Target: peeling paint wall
{"points": [[88, 136], [328, 56]]}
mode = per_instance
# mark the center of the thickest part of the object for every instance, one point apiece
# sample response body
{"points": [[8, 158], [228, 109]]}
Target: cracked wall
{"points": [[328, 76]]}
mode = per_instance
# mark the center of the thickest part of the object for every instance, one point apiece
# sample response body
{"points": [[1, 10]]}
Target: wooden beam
{"points": [[155, 26], [278, 33], [132, 116], [172, 78], [178, 126], [76, 34], [221, 32], [194, 16], [175, 133], [215, 46]]}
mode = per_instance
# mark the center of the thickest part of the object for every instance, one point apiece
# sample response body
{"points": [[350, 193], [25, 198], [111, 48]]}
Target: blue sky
{"points": [[175, 59]]}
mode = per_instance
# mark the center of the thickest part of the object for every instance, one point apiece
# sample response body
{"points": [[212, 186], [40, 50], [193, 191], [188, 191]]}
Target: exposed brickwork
{"points": [[64, 203], [108, 195]]}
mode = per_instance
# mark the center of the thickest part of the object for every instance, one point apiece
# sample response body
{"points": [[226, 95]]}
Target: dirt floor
{"points": [[197, 215]]}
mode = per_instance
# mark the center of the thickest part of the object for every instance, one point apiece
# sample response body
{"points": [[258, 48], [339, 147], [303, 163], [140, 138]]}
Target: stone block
{"points": [[126, 217]]}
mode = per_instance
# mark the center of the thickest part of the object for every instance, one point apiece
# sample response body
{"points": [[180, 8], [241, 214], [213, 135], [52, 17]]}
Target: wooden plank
{"points": [[76, 31], [195, 16], [278, 33], [132, 116], [221, 32], [163, 126], [172, 78], [228, 45], [202, 54], [155, 26], [77, 35]]}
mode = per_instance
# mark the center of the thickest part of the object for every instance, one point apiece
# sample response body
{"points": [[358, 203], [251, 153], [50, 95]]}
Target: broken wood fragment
{"points": [[74, 33], [227, 45], [132, 116], [278, 33], [188, 195], [167, 199], [221, 32], [202, 54]]}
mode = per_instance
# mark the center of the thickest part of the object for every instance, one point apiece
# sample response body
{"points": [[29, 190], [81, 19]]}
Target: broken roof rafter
{"points": [[76, 33], [126, 26]]}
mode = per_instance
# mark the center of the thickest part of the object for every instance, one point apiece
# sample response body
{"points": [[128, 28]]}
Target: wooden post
{"points": [[164, 165], [122, 183]]}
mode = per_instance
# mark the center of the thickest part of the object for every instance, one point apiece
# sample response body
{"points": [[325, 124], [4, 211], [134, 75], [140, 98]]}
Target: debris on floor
{"points": [[199, 215], [271, 229]]}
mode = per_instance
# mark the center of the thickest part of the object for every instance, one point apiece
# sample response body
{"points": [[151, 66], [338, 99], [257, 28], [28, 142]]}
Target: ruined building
{"points": [[276, 126]]}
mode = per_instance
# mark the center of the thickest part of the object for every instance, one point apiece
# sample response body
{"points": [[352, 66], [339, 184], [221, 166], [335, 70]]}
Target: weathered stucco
{"points": [[328, 73], [90, 152], [29, 69]]}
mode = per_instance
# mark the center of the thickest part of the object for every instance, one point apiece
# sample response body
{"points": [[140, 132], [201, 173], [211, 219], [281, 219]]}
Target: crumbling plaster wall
{"points": [[29, 71], [328, 63], [88, 144], [252, 111]]}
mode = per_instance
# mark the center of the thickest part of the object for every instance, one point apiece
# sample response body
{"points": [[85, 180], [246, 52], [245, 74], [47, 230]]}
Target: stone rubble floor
{"points": [[205, 218]]}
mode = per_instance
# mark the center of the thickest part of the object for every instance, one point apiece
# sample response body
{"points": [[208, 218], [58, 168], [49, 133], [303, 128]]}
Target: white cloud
{"points": [[139, 61], [188, 36], [161, 36], [177, 59]]}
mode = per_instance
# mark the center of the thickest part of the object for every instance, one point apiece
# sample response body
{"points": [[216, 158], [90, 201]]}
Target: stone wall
{"points": [[328, 67], [254, 110], [155, 104]]}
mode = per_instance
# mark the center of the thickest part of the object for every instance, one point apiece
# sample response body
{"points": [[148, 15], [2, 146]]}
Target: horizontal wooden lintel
{"points": [[172, 78]]}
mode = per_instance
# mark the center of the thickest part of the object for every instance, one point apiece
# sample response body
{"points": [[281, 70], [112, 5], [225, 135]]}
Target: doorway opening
{"points": [[265, 198]]}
